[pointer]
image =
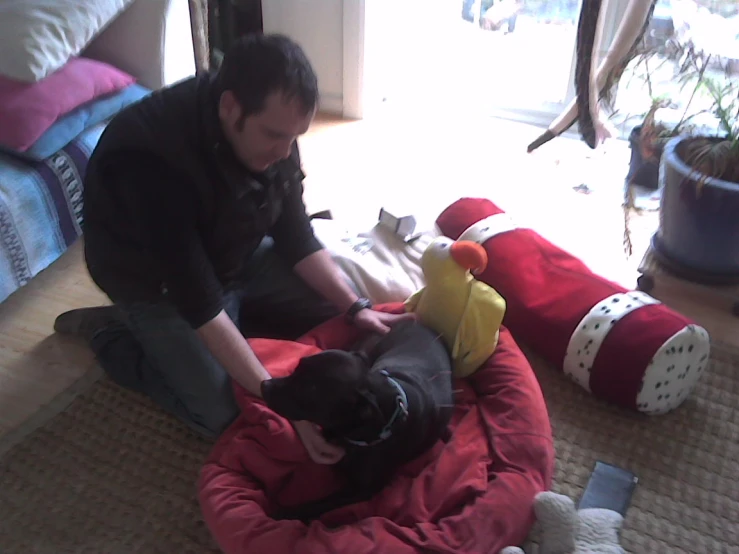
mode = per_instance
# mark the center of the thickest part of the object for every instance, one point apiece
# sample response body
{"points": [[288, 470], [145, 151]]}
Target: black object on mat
{"points": [[609, 487]]}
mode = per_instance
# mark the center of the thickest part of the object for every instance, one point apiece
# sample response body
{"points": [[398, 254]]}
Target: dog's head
{"points": [[333, 389]]}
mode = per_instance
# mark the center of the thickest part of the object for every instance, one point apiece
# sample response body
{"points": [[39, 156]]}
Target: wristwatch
{"points": [[359, 305]]}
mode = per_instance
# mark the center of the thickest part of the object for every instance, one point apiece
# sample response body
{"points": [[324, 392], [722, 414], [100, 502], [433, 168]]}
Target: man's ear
{"points": [[228, 105]]}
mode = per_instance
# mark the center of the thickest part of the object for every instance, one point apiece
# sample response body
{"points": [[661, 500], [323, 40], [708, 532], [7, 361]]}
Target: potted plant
{"points": [[657, 66], [648, 139], [646, 142], [698, 234]]}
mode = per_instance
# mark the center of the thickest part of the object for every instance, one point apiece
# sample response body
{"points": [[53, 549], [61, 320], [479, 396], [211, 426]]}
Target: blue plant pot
{"points": [[698, 234], [642, 173]]}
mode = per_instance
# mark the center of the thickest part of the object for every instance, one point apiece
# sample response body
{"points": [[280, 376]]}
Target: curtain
{"points": [[595, 81], [217, 23], [199, 19]]}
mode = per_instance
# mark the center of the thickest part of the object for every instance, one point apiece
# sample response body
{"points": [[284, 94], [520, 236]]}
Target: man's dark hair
{"points": [[257, 65]]}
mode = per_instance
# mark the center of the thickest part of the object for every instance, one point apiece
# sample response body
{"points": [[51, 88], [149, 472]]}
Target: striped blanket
{"points": [[41, 209]]}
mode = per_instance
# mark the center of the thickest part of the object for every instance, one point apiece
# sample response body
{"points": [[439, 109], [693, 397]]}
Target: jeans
{"points": [[154, 351]]}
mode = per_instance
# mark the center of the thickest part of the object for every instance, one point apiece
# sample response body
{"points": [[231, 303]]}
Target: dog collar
{"points": [[401, 410]]}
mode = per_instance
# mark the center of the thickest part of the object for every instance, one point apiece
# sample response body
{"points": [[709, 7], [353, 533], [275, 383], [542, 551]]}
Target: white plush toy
{"points": [[566, 530]]}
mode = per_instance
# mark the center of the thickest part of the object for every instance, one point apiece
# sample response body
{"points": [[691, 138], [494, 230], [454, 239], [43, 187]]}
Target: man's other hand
{"points": [[379, 322]]}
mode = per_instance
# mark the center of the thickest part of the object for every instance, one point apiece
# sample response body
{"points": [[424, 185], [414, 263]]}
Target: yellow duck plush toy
{"points": [[467, 313]]}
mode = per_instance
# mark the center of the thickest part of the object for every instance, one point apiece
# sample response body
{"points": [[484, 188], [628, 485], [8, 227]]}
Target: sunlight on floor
{"points": [[414, 164]]}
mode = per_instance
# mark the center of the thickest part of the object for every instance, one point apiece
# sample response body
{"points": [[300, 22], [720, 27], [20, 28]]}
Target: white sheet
{"points": [[381, 265]]}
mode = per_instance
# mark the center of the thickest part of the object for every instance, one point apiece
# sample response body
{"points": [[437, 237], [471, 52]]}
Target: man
{"points": [[195, 228]]}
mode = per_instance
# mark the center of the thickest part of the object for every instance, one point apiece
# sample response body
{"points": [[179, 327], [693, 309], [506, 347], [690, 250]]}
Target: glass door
{"points": [[516, 58], [683, 36], [480, 55], [524, 50]]}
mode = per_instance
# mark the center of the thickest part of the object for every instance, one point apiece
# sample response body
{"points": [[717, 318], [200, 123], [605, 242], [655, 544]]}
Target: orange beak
{"points": [[469, 255]]}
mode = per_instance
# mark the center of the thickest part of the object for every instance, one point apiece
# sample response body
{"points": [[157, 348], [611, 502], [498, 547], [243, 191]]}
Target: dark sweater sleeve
{"points": [[164, 205], [292, 232]]}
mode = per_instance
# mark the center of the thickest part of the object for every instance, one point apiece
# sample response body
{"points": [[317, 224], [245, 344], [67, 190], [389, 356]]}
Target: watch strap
{"points": [[359, 305]]}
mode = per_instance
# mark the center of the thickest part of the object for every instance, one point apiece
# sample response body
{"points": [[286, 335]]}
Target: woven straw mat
{"points": [[113, 474]]}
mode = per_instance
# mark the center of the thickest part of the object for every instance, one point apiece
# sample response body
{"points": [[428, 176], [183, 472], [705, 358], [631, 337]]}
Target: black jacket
{"points": [[169, 209]]}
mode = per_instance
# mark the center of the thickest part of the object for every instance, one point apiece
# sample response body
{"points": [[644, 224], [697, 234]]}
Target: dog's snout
{"points": [[267, 387]]}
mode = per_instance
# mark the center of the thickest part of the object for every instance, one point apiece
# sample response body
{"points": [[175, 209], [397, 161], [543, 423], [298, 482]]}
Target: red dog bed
{"points": [[472, 495]]}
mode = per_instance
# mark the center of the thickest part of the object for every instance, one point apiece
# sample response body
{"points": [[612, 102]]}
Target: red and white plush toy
{"points": [[623, 346]]}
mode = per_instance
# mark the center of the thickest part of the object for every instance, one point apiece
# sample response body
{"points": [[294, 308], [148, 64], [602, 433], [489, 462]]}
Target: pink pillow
{"points": [[27, 110]]}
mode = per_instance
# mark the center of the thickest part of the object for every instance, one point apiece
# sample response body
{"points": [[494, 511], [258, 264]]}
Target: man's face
{"points": [[264, 138]]}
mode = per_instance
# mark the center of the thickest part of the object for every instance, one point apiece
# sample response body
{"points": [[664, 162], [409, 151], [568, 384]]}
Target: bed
{"points": [[41, 198], [41, 209]]}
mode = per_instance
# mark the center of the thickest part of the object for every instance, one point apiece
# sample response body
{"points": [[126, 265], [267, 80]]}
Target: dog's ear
{"points": [[363, 359], [310, 362], [368, 409], [326, 360]]}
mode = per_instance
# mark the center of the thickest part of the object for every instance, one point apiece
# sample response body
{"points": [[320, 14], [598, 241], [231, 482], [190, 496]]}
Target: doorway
{"points": [[485, 56]]}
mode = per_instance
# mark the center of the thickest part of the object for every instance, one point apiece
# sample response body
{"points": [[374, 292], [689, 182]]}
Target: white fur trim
{"points": [[593, 329], [489, 227], [674, 370]]}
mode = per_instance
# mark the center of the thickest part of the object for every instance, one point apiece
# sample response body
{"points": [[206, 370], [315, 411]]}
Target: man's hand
{"points": [[318, 449], [324, 276], [231, 349], [379, 322]]}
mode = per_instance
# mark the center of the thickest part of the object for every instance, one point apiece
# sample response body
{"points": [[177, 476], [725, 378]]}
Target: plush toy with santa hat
{"points": [[621, 345]]}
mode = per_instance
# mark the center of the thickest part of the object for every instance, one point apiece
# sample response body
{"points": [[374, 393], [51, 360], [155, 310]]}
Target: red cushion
{"points": [[623, 346], [471, 495]]}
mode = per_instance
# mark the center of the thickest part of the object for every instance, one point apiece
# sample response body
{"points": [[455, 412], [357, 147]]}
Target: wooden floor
{"points": [[35, 364], [410, 164]]}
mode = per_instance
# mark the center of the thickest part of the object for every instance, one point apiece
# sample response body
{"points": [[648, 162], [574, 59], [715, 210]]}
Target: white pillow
{"points": [[37, 37], [378, 262]]}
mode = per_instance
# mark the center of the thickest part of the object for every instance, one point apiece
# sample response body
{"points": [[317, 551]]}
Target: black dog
{"points": [[386, 407]]}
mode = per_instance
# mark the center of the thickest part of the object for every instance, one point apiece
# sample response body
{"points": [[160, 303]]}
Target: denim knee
{"points": [[213, 420]]}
